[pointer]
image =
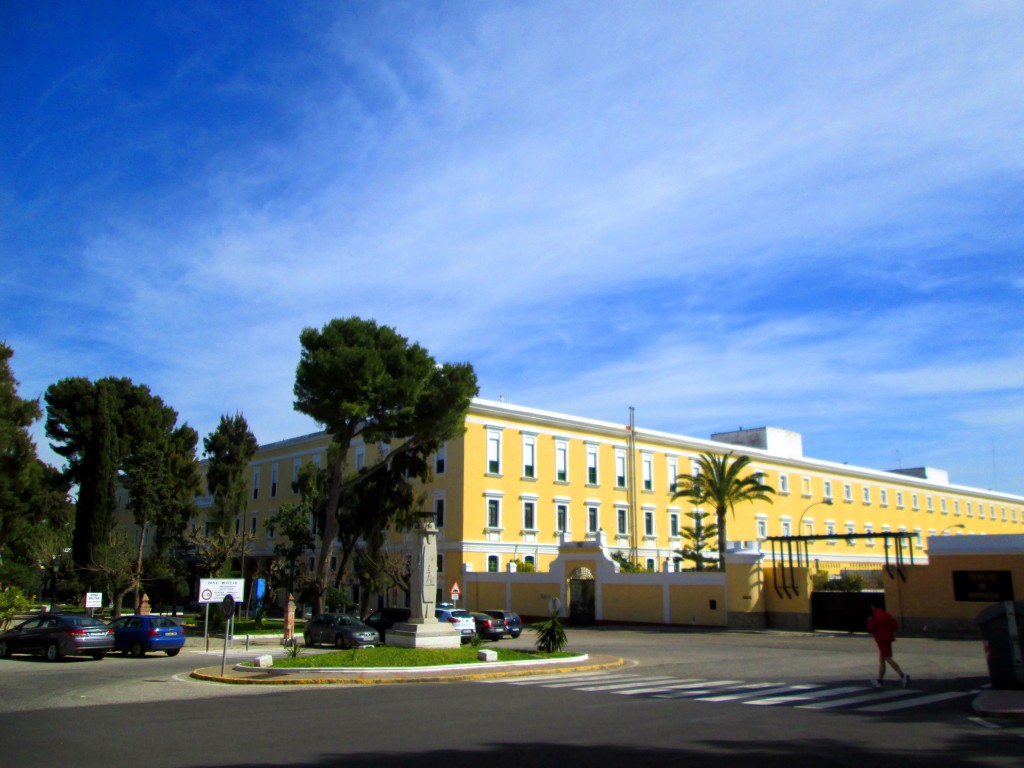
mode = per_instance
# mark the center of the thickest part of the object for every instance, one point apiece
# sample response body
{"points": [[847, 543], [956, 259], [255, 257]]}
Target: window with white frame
{"points": [[883, 497], [647, 471], [1003, 513], [783, 484], [650, 564], [493, 563], [942, 507], [561, 517], [493, 512], [762, 527], [561, 461], [673, 524], [929, 503], [805, 484], [622, 520], [899, 499], [529, 515], [694, 468], [867, 495], [827, 489], [493, 452], [360, 457], [648, 523], [592, 476], [295, 470], [809, 526], [529, 457], [830, 528], [620, 468], [850, 529], [914, 505], [918, 537], [869, 529], [970, 510], [786, 526], [440, 458], [956, 507], [256, 482], [593, 518], [273, 480], [847, 492]]}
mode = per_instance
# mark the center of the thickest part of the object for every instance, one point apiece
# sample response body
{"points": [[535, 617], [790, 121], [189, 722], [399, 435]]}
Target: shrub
{"points": [[12, 602], [550, 634]]}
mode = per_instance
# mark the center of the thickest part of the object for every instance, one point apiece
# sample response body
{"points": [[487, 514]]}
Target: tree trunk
{"points": [[720, 515]]}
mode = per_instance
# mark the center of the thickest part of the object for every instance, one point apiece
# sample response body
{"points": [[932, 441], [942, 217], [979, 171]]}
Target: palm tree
{"points": [[720, 482]]}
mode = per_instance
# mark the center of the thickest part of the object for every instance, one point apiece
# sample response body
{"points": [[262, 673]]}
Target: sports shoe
{"points": [[875, 682], [905, 680]]}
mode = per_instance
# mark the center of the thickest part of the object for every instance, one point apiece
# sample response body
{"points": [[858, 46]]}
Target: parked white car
{"points": [[463, 621]]}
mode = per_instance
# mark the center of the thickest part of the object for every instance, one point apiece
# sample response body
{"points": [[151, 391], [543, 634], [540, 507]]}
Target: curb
{"points": [[393, 676]]}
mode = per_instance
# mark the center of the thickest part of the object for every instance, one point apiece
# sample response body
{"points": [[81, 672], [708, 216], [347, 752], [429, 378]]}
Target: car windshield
{"points": [[462, 614]]}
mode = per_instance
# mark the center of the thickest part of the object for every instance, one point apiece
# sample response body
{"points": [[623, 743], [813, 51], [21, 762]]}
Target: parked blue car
{"points": [[138, 635]]}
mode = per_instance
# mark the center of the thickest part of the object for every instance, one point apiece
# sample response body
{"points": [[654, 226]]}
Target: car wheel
{"points": [[308, 641], [53, 652], [5, 650], [340, 641], [172, 651], [136, 650], [515, 635], [98, 654]]}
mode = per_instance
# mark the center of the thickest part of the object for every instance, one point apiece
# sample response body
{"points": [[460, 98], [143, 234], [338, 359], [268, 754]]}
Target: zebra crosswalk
{"points": [[854, 697]]}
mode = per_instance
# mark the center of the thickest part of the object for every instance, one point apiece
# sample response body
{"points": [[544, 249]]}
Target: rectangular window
{"points": [[942, 507], [647, 471], [312, 524], [238, 525], [592, 477], [529, 456], [869, 529], [671, 469], [562, 517], [970, 510], [783, 483], [623, 521], [439, 511], [956, 507], [492, 563], [255, 483], [673, 524], [494, 513], [561, 461], [360, 457], [787, 528], [295, 472], [830, 528], [867, 495], [252, 525], [273, 480], [899, 499], [648, 523], [762, 528], [828, 489], [592, 519], [493, 452], [847, 492], [806, 486], [439, 459], [929, 503], [883, 497], [620, 468], [529, 516], [850, 529]]}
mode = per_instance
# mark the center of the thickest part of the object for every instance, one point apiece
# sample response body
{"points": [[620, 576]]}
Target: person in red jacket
{"points": [[883, 628]]}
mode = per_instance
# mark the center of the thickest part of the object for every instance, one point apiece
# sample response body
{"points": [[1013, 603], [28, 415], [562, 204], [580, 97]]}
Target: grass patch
{"points": [[388, 656]]}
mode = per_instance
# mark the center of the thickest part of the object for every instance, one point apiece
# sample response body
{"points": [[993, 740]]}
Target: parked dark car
{"points": [[56, 635], [340, 630], [513, 624], [384, 618], [138, 635], [488, 627]]}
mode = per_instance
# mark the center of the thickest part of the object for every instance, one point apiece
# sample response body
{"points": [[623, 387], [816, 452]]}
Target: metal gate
{"points": [[582, 595], [843, 611]]}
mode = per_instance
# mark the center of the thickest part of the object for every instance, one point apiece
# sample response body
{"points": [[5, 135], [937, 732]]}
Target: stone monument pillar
{"points": [[423, 630]]}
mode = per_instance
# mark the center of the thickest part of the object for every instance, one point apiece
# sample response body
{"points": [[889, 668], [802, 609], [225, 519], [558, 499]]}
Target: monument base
{"points": [[434, 635]]}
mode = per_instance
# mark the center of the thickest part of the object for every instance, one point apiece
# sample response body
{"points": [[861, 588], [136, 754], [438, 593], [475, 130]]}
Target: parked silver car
{"points": [[340, 630]]}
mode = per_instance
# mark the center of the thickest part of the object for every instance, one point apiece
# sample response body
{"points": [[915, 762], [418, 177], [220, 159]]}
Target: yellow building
{"points": [[521, 480]]}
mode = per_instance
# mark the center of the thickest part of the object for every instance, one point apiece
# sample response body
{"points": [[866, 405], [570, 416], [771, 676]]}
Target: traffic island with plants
{"points": [[390, 656]]}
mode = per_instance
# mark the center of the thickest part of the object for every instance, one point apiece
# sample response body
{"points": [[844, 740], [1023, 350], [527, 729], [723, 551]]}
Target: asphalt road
{"points": [[147, 712]]}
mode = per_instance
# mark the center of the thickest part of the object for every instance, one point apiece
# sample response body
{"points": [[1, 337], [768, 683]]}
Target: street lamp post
{"points": [[799, 524]]}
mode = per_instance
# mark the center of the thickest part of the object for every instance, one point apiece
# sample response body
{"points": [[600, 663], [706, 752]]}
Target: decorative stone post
{"points": [[289, 620], [423, 630]]}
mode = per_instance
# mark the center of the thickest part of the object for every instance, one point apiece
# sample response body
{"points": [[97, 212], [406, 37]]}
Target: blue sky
{"points": [[802, 215]]}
